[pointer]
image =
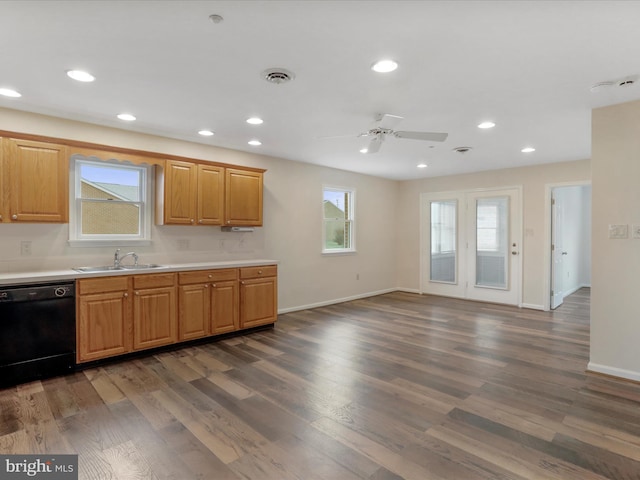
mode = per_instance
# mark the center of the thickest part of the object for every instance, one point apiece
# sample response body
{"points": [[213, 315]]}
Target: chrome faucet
{"points": [[117, 259]]}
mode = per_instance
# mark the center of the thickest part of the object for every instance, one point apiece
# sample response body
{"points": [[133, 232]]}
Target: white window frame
{"points": [[351, 220], [76, 238]]}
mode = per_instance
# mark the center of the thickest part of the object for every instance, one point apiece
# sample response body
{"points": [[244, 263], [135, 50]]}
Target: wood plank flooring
{"points": [[398, 386]]}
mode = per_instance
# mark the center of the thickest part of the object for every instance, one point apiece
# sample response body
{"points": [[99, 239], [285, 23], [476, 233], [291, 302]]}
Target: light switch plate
{"points": [[636, 231], [618, 231]]}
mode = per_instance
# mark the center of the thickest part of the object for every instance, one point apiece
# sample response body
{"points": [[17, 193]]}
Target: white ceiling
{"points": [[526, 65]]}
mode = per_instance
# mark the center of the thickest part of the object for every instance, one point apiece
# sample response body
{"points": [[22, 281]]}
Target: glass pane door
{"points": [[444, 241], [492, 242]]}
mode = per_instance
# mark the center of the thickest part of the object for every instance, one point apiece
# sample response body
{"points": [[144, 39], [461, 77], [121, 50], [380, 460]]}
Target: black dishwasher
{"points": [[37, 332]]}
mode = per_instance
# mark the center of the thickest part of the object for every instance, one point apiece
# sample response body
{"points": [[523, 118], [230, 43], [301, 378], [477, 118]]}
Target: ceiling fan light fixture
{"points": [[384, 66], [255, 121], [205, 133], [528, 150], [364, 150], [487, 124], [422, 165], [254, 143]]}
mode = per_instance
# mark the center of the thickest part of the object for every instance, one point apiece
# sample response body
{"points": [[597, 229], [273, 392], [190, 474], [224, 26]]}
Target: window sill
{"points": [[331, 253], [108, 243]]}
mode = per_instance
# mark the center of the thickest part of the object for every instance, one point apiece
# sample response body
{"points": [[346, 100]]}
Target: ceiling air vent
{"points": [[462, 149], [278, 75]]}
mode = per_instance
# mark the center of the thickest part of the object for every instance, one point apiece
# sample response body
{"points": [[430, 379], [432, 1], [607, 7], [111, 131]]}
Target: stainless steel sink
{"points": [[141, 266], [104, 268], [109, 268]]}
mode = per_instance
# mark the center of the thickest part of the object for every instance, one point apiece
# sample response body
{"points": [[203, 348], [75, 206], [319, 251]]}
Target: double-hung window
{"points": [[110, 204], [339, 227]]}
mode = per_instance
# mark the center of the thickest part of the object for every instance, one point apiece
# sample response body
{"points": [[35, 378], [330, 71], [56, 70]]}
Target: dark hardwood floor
{"points": [[389, 387]]}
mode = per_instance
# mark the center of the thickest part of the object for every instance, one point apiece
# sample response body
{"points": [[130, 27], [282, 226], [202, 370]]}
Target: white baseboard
{"points": [[533, 306], [613, 371], [336, 300], [408, 290], [574, 290]]}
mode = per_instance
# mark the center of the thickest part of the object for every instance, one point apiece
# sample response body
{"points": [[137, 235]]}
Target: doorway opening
{"points": [[568, 251]]}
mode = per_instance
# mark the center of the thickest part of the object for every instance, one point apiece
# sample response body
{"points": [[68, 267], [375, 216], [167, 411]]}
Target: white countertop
{"points": [[70, 274]]}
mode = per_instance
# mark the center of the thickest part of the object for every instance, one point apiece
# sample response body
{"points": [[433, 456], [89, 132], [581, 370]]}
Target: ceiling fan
{"points": [[385, 125]]}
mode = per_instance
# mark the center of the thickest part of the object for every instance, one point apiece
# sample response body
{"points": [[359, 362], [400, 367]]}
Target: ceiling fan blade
{"points": [[388, 122], [375, 143], [430, 136]]}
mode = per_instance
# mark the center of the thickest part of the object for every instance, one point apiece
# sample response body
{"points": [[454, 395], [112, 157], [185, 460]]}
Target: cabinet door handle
{"points": [[14, 217], [213, 285], [192, 220], [259, 272], [210, 276], [137, 293], [200, 221], [0, 218], [125, 295], [206, 285], [242, 283]]}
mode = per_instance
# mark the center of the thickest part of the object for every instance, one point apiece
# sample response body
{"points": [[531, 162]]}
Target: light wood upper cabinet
{"points": [[210, 195], [190, 194], [4, 189], [243, 197], [35, 181], [177, 193]]}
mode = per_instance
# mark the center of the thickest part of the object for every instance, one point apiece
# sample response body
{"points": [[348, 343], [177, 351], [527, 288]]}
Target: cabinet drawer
{"points": [[257, 272], [154, 280], [103, 285], [205, 276]]}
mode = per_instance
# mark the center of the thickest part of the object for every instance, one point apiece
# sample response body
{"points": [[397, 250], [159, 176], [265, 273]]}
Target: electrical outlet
{"points": [[636, 231], [25, 248]]}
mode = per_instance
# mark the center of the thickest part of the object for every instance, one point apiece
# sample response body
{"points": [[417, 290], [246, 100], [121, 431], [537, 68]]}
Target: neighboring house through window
{"points": [[110, 203], [338, 228]]}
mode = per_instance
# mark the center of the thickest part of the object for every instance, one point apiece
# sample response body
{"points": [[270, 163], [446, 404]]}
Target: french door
{"points": [[471, 245]]}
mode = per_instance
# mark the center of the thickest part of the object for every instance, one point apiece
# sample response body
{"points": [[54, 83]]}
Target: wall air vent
{"points": [[278, 75]]}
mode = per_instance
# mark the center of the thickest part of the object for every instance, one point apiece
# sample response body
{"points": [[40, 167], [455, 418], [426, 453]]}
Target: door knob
{"points": [[514, 253]]}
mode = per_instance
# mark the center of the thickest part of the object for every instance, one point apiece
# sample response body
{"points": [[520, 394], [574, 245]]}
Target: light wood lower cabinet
{"points": [[104, 325], [118, 315], [258, 296], [208, 302], [155, 320], [122, 314]]}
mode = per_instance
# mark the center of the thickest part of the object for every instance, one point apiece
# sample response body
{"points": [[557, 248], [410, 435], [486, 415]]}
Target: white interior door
{"points": [[471, 245], [557, 254]]}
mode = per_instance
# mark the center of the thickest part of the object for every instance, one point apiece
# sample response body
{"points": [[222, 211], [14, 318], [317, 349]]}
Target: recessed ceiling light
{"points": [[127, 117], [528, 150], [422, 165], [384, 66], [255, 121], [486, 125], [255, 143], [205, 133], [364, 150], [80, 76], [7, 92]]}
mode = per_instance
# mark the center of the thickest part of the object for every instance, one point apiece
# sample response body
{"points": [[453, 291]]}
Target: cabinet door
{"points": [[243, 198], [194, 311], [258, 302], [224, 307], [38, 175], [104, 325], [155, 321], [180, 189], [210, 195]]}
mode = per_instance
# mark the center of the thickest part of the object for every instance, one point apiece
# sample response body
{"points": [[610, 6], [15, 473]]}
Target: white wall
{"points": [[533, 180], [615, 305], [291, 232], [575, 202]]}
